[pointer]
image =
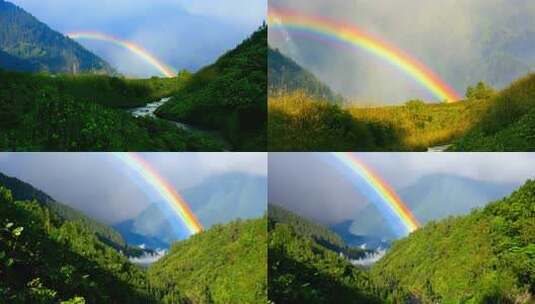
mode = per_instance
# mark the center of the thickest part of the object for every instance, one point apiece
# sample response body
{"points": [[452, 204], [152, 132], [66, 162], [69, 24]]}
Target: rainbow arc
{"points": [[348, 34], [136, 49]]}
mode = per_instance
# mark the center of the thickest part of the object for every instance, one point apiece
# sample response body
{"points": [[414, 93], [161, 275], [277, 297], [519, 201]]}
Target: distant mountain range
{"points": [[219, 199], [285, 75], [432, 197], [26, 44]]}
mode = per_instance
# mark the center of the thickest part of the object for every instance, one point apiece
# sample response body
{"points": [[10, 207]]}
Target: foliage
{"points": [[45, 259], [298, 122], [26, 44], [226, 264], [229, 95], [485, 257], [509, 122], [480, 91], [302, 271], [43, 113], [286, 76]]}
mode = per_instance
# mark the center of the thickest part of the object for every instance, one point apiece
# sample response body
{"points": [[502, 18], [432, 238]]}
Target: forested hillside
{"points": [[26, 44], [509, 122], [286, 76], [303, 271], [229, 95], [485, 257], [226, 264], [43, 113], [45, 259]]}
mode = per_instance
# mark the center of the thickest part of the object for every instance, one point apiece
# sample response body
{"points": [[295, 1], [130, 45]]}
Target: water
{"points": [[149, 110], [438, 148]]}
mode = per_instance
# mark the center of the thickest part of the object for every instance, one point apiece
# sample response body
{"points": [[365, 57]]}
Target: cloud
{"points": [[102, 187], [309, 186]]}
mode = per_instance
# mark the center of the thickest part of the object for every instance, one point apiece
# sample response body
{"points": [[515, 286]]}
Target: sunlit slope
{"points": [[485, 257], [225, 264], [509, 122]]}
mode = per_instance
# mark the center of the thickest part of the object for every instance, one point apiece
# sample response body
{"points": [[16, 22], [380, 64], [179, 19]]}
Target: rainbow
{"points": [[378, 192], [136, 49], [163, 188], [353, 36]]}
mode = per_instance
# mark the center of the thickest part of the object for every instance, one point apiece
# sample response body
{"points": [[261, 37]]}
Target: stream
{"points": [[442, 148], [150, 108]]}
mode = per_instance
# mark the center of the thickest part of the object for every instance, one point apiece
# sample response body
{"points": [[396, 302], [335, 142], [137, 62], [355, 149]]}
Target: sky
{"points": [[463, 41], [98, 184], [308, 185], [184, 34]]}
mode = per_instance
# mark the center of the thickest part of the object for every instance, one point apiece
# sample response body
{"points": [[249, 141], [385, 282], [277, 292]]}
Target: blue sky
{"points": [[96, 184], [185, 34]]}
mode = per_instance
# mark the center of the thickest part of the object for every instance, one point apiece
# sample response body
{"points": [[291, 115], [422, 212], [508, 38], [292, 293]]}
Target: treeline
{"points": [[229, 95], [43, 113]]}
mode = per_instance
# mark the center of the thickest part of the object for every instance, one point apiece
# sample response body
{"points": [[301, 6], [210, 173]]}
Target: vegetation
{"points": [[509, 122], [286, 76], [226, 264], [44, 259], [298, 122], [303, 271], [229, 96], [43, 113], [26, 44], [485, 257]]}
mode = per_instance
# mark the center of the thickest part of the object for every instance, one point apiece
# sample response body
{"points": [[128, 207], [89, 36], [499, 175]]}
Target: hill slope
{"points": [[485, 257], [285, 75], [229, 95], [46, 259], [225, 264], [509, 122], [27, 39]]}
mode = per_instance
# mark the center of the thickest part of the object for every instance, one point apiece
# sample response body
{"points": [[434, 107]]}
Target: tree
{"points": [[480, 91]]}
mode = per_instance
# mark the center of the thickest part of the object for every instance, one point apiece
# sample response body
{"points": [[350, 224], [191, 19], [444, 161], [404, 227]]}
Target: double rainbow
{"points": [[163, 188], [332, 30], [136, 49], [378, 192]]}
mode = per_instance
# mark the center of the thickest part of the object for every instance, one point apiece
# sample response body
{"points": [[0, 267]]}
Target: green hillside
{"points": [[45, 259], [33, 46], [285, 76], [229, 95], [509, 122], [302, 271], [226, 264], [39, 112], [485, 257]]}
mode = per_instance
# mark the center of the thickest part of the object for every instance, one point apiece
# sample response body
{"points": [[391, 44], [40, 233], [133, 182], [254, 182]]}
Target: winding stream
{"points": [[442, 148]]}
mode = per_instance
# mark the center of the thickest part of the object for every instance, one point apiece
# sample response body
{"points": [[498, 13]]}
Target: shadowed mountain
{"points": [[285, 75], [30, 45]]}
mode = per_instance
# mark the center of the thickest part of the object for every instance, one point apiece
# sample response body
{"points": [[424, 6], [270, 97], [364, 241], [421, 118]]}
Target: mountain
{"points": [[484, 257], [343, 229], [23, 191], [301, 270], [30, 45], [218, 199], [433, 197], [229, 95], [285, 75], [47, 259], [224, 264]]}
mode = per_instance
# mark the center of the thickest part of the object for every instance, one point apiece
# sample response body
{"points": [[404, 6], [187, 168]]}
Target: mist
{"points": [[464, 42]]}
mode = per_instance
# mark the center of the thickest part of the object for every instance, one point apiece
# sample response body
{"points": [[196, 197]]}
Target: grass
{"points": [[297, 122]]}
